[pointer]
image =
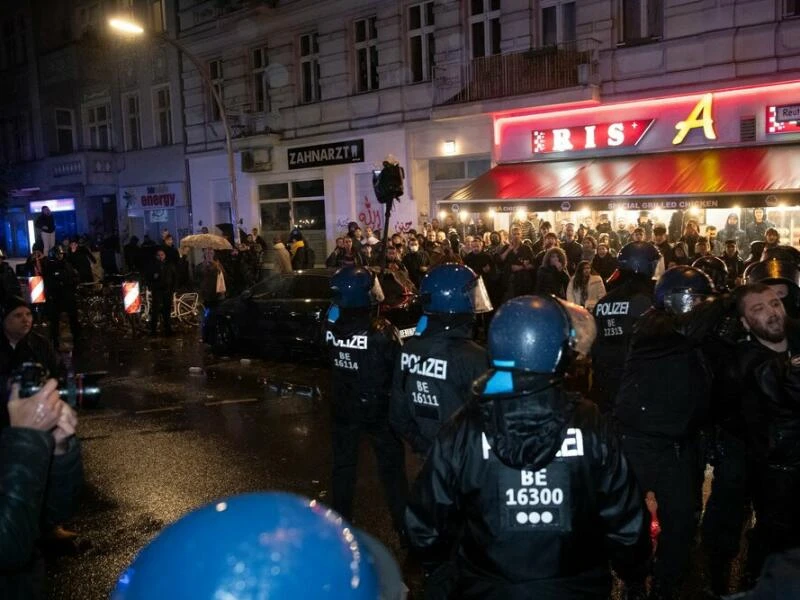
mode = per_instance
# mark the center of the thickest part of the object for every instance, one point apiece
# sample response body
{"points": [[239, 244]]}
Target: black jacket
{"points": [[666, 385], [60, 281], [735, 266], [9, 284], [82, 261], [604, 265], [362, 352], [574, 252], [528, 522], [615, 315], [417, 263], [38, 490], [432, 379], [162, 278], [550, 280]]}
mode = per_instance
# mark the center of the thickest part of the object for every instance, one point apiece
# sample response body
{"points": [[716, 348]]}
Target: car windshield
{"points": [[276, 286], [312, 287]]}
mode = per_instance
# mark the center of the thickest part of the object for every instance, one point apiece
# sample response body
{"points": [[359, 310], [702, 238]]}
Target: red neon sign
{"points": [[589, 137], [774, 126]]}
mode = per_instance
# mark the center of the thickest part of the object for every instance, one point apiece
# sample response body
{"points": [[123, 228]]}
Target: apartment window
{"points": [[366, 37], [421, 41], [309, 68], [89, 19], [13, 42], [65, 131], [484, 26], [133, 122], [98, 124], [218, 82], [157, 16], [162, 116], [792, 8], [558, 23], [258, 65], [641, 20]]}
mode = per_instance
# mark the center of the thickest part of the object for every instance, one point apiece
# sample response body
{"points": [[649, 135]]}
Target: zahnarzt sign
{"points": [[337, 153]]}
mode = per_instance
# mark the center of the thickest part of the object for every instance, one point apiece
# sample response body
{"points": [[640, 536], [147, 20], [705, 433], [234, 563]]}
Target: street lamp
{"points": [[125, 26]]}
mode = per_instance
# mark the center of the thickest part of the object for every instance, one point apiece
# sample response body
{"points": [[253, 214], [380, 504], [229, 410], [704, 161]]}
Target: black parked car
{"points": [[284, 313]]}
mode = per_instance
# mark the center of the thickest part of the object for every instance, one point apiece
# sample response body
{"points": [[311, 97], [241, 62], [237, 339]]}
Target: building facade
{"points": [[102, 142], [428, 82]]}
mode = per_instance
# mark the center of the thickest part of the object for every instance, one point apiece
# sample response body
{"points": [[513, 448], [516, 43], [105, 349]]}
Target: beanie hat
{"points": [[10, 304]]}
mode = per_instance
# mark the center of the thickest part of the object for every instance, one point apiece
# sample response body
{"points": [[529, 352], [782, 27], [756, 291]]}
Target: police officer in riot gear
{"points": [[60, 285], [662, 400], [362, 352], [527, 479], [261, 545], [631, 295], [717, 272], [434, 373]]}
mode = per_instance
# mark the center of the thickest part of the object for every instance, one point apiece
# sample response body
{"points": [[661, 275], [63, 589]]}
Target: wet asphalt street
{"points": [[178, 428], [165, 440]]}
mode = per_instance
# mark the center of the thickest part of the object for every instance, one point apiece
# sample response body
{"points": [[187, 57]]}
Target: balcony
{"points": [[530, 72], [91, 167]]}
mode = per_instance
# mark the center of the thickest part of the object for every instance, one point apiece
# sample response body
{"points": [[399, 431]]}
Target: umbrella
{"points": [[206, 240]]}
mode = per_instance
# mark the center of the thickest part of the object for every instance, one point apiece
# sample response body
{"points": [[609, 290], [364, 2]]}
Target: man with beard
{"points": [[768, 362], [416, 261], [733, 262]]}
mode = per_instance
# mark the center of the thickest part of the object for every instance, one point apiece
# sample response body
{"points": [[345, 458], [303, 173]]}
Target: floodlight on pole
{"points": [[132, 28]]}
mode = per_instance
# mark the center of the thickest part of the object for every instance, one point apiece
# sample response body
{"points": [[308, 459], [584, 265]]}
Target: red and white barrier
{"points": [[131, 298], [36, 289]]}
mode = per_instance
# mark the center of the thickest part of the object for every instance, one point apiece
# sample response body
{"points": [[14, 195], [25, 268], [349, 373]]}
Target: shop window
{"points": [[273, 191], [641, 20], [791, 8], [276, 217], [162, 116], [133, 122], [308, 189], [443, 170], [218, 83], [558, 23], [258, 66], [309, 68], [477, 167], [366, 48], [421, 41], [65, 131], [484, 26], [98, 126], [309, 214]]}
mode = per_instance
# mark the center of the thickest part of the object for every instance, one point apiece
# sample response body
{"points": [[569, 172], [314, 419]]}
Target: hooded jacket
{"points": [[733, 232], [535, 492], [433, 378]]}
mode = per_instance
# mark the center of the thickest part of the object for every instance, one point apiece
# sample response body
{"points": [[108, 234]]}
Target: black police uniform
{"points": [[60, 285], [615, 314], [362, 353], [544, 495], [433, 377], [662, 399]]}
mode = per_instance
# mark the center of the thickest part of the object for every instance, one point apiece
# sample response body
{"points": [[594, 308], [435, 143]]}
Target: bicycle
{"points": [[186, 308]]}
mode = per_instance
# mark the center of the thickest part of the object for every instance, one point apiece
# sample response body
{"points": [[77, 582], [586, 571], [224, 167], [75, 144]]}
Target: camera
{"points": [[77, 389]]}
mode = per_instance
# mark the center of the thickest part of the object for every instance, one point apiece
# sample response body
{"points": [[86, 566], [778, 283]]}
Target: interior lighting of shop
{"points": [[521, 214], [450, 147], [463, 216], [596, 108], [491, 213], [442, 215]]}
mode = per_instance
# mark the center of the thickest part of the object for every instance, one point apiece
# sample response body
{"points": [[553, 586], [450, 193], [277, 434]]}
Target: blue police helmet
{"points": [[639, 257], [265, 545], [351, 287], [538, 334], [680, 288], [453, 289]]}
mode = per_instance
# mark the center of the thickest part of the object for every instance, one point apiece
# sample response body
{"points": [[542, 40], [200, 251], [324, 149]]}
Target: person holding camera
{"points": [[19, 344], [40, 462]]}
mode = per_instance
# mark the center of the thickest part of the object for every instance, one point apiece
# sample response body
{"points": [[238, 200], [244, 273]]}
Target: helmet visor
{"points": [[582, 327], [681, 302], [376, 292], [478, 296]]}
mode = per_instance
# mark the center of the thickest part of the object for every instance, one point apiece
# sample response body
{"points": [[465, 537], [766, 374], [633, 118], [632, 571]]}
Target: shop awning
{"points": [[732, 171]]}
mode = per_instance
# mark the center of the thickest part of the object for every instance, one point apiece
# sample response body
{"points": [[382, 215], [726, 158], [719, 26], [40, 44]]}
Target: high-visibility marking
{"points": [[131, 297], [36, 289]]}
